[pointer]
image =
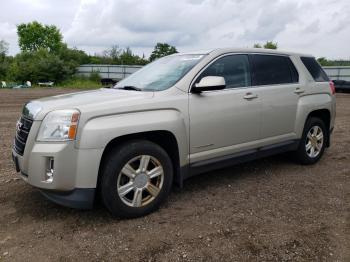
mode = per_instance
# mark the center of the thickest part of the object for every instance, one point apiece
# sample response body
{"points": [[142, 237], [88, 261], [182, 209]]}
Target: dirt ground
{"points": [[267, 210]]}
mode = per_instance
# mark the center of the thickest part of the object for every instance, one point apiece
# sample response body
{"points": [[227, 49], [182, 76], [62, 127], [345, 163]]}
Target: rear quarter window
{"points": [[315, 69], [273, 70]]}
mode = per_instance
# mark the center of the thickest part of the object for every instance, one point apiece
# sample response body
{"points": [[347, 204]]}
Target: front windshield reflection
{"points": [[161, 74]]}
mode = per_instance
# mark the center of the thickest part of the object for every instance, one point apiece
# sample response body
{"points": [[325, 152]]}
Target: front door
{"points": [[225, 121]]}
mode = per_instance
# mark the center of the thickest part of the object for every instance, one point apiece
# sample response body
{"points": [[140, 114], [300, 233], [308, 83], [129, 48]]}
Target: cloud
{"points": [[8, 33], [14, 12], [272, 19], [143, 23], [319, 29], [299, 25]]}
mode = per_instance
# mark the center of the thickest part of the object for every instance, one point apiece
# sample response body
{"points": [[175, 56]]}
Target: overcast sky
{"points": [[321, 28]]}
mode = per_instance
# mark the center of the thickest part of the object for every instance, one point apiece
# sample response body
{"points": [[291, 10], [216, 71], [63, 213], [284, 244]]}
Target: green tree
{"points": [[44, 56], [127, 57], [257, 45], [325, 62], [40, 66], [270, 45], [35, 36], [113, 53], [73, 55], [4, 61], [118, 56], [162, 49], [4, 48], [96, 59]]}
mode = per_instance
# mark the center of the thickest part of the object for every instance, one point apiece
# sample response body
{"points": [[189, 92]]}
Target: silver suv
{"points": [[179, 116]]}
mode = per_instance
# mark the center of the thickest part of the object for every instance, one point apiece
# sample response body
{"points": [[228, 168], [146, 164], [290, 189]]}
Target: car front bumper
{"points": [[74, 175], [79, 198]]}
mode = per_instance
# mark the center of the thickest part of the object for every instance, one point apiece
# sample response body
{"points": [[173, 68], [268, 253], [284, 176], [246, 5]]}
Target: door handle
{"points": [[249, 96], [299, 91]]}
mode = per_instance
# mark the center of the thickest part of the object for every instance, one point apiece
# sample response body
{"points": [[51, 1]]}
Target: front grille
{"points": [[23, 128]]}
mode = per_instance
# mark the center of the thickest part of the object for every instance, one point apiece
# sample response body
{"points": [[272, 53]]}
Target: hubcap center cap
{"points": [[141, 180], [314, 141]]}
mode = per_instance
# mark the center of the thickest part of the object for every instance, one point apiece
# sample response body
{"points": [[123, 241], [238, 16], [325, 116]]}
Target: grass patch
{"points": [[75, 82], [82, 82], [79, 84]]}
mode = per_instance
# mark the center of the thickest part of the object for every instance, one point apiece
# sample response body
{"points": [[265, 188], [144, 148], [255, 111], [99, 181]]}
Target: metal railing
{"points": [[115, 72], [338, 72], [118, 72]]}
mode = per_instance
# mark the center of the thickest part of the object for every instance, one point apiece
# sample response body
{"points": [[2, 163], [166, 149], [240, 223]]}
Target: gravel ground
{"points": [[267, 210]]}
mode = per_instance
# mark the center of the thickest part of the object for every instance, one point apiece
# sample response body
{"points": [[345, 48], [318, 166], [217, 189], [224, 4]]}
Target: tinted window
{"points": [[272, 70], [294, 72], [315, 69], [234, 68]]}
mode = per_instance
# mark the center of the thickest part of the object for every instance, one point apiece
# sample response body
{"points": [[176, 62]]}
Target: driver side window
{"points": [[234, 68]]}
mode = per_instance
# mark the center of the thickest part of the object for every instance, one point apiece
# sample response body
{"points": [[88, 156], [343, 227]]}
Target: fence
{"points": [[115, 72], [338, 72], [118, 72]]}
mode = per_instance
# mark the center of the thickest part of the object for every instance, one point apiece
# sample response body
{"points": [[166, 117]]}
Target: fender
{"points": [[308, 104], [98, 132]]}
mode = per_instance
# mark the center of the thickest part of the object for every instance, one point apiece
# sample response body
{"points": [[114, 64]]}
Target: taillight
{"points": [[332, 86]]}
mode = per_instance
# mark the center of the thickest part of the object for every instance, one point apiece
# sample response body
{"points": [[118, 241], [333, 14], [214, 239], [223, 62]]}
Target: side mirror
{"points": [[209, 83]]}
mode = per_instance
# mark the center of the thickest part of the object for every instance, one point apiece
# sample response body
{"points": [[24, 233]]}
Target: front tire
{"points": [[313, 141], [136, 178]]}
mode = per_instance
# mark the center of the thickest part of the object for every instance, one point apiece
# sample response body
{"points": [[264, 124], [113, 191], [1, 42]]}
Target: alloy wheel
{"points": [[140, 180], [314, 141]]}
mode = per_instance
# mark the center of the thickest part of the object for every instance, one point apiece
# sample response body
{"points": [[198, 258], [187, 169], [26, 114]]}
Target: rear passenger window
{"points": [[234, 68], [315, 69], [272, 70]]}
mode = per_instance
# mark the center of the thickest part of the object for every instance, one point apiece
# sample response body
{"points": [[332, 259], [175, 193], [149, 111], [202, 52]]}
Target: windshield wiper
{"points": [[130, 88]]}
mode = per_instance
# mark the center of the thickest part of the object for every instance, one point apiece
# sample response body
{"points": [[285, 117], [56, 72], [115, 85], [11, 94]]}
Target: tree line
{"points": [[45, 57]]}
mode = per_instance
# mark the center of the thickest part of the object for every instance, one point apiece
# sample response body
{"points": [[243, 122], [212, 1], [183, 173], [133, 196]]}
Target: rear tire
{"points": [[313, 141], [136, 178]]}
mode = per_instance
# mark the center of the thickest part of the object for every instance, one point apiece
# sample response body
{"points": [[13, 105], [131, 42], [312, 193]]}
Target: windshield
{"points": [[161, 74]]}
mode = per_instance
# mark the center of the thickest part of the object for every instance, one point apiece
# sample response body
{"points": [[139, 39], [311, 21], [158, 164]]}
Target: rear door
{"points": [[279, 90]]}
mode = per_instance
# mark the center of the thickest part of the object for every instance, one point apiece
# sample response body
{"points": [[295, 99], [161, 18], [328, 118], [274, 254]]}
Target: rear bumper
{"points": [[80, 198]]}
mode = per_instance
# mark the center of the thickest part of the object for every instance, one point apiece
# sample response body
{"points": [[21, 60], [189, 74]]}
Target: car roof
{"points": [[219, 51]]}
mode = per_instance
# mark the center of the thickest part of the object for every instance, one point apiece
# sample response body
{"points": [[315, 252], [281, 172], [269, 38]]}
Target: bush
{"points": [[5, 63], [44, 65], [95, 77], [40, 66], [73, 55], [80, 82]]}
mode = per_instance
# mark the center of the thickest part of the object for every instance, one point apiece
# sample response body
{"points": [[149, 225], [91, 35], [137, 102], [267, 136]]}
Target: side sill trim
{"points": [[240, 157]]}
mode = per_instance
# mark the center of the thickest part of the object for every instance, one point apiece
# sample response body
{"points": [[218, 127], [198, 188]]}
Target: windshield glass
{"points": [[161, 74]]}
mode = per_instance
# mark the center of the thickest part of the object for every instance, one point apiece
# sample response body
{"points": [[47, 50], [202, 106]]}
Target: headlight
{"points": [[59, 125]]}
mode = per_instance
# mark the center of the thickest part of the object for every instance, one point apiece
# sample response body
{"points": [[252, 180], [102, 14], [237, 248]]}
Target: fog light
{"points": [[49, 170]]}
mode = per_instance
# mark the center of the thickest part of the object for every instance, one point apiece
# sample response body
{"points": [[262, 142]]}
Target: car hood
{"points": [[37, 109]]}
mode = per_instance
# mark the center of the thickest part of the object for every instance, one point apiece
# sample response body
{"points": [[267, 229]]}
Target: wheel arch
{"points": [[325, 116], [163, 138], [315, 105]]}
